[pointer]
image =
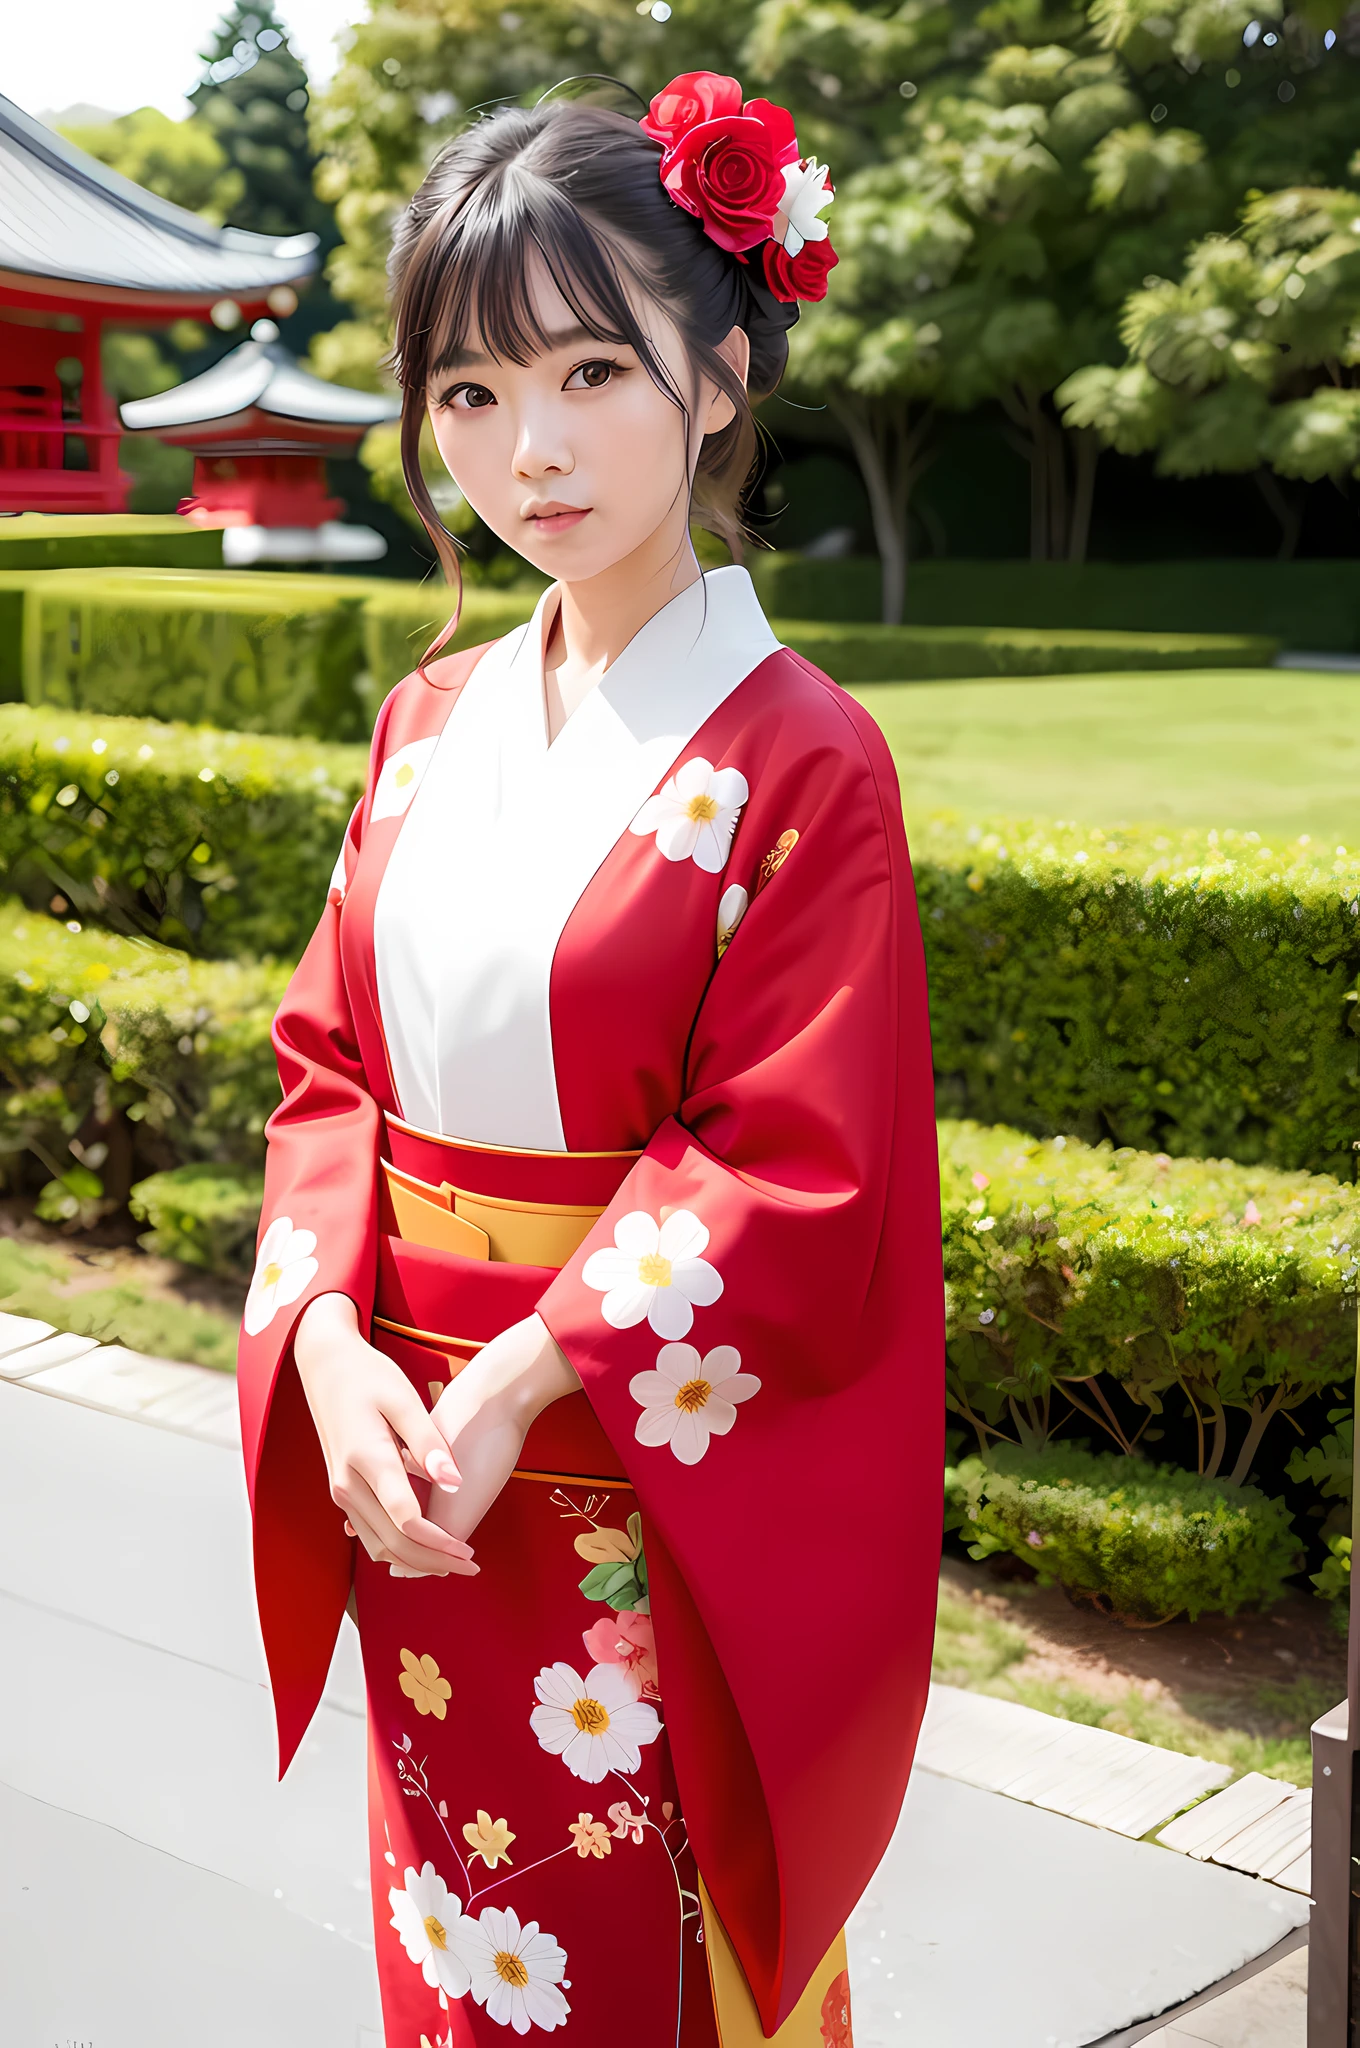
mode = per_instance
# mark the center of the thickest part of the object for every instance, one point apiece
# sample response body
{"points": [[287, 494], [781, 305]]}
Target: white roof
{"points": [[261, 374], [64, 215]]}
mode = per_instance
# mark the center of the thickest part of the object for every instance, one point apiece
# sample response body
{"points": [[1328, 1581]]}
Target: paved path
{"points": [[160, 1888]]}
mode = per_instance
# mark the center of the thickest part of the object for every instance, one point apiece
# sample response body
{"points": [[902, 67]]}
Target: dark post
{"points": [[1333, 1949]]}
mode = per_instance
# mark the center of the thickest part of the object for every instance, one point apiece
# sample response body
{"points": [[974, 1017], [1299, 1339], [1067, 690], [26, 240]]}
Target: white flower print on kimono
{"points": [[515, 1970], [733, 905], [689, 1399], [400, 777], [695, 814], [425, 1914], [596, 1724], [284, 1268], [654, 1270]]}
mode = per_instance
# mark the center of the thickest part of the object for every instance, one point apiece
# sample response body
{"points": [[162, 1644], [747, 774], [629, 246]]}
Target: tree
{"points": [[180, 160], [253, 101], [1250, 363]]}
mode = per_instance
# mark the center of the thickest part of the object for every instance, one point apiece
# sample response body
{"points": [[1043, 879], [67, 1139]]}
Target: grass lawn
{"points": [[117, 1294], [1240, 1690], [1269, 750]]}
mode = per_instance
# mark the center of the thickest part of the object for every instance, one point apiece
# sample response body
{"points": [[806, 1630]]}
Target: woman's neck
{"points": [[597, 618]]}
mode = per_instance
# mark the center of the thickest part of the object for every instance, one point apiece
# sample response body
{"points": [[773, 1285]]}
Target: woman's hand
{"points": [[371, 1421], [485, 1415]]}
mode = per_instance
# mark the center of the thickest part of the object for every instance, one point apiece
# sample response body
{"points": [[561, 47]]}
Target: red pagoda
{"points": [[260, 427], [82, 248]]}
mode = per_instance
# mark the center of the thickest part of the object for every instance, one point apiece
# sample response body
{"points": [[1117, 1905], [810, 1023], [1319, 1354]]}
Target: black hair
{"points": [[579, 186]]}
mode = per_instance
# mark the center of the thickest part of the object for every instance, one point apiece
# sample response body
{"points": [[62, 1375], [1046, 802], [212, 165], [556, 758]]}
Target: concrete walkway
{"points": [[160, 1887]]}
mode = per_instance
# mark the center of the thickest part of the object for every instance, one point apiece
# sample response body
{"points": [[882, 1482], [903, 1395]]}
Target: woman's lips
{"points": [[557, 518]]}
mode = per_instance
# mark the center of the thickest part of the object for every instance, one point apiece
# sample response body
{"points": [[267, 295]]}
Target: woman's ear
{"points": [[735, 350]]}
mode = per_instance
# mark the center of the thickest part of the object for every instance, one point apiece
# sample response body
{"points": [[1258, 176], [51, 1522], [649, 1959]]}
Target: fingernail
{"points": [[442, 1470]]}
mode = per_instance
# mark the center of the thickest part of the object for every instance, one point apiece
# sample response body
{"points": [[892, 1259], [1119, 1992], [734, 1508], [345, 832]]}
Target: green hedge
{"points": [[202, 1215], [1095, 1286], [255, 652], [68, 540], [888, 654], [309, 654], [1183, 991], [252, 651], [1144, 1543], [124, 1058], [220, 842], [1306, 604]]}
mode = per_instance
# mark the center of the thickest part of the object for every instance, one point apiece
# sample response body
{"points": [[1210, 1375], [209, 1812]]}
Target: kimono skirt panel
{"points": [[628, 1031]]}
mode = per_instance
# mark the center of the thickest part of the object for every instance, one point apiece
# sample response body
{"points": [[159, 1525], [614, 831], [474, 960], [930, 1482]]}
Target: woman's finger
{"points": [[409, 1419], [411, 1539]]}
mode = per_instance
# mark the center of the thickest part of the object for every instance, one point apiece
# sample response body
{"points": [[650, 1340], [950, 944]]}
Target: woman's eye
{"points": [[590, 376], [475, 396]]}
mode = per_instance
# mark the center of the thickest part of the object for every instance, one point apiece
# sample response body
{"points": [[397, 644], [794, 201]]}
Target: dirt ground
{"points": [[1245, 1687]]}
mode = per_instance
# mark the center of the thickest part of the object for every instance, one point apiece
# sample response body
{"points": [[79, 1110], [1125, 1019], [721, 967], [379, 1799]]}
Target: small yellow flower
{"points": [[489, 1839], [591, 1836], [422, 1684]]}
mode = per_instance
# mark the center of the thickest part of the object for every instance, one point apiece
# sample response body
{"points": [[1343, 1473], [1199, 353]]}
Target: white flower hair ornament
{"points": [[736, 166]]}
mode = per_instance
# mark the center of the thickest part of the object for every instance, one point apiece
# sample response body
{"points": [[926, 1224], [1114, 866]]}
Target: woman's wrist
{"points": [[523, 1372]]}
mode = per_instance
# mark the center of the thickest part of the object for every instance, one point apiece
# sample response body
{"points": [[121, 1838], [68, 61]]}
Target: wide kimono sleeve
{"points": [[758, 1323], [318, 1235]]}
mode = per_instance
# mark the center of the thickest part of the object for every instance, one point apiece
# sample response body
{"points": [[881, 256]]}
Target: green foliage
{"points": [[1329, 1466], [40, 540], [401, 619], [1334, 1580], [182, 161], [1250, 356], [1313, 604], [256, 652], [183, 834], [881, 654], [250, 651], [1145, 1543], [127, 1057], [1089, 1281], [252, 103], [1178, 990], [38, 1281], [202, 1215]]}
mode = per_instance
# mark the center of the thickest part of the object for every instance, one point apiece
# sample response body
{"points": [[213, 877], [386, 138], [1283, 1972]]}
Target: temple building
{"points": [[82, 248], [260, 427]]}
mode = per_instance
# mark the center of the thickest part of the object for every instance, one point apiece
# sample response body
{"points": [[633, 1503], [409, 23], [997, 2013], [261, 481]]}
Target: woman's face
{"points": [[576, 459]]}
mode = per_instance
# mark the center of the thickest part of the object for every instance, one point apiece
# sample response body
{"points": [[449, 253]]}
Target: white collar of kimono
{"points": [[502, 836]]}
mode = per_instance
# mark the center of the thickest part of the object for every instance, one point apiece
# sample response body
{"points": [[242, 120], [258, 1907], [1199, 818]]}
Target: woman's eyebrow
{"points": [[554, 339]]}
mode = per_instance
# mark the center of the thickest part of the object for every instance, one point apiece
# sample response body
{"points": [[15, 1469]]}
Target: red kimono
{"points": [[629, 1029]]}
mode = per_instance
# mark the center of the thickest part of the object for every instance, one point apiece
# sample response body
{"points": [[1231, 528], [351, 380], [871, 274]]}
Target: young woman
{"points": [[594, 1344]]}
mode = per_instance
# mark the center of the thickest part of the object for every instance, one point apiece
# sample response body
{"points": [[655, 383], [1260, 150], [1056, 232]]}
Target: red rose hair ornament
{"points": [[737, 169]]}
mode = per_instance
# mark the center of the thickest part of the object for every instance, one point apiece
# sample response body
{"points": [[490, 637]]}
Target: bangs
{"points": [[507, 227]]}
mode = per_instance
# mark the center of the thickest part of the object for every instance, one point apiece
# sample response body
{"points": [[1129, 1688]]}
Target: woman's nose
{"points": [[541, 449]]}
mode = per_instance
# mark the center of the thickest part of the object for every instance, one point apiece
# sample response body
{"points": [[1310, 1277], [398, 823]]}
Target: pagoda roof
{"points": [[67, 219], [260, 377]]}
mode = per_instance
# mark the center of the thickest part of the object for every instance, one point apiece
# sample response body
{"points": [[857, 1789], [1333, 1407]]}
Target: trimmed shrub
{"points": [[126, 1058], [251, 651], [1303, 604], [401, 619], [1145, 1543], [202, 1215], [887, 654], [73, 540], [1107, 1281], [1181, 991], [220, 842]]}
